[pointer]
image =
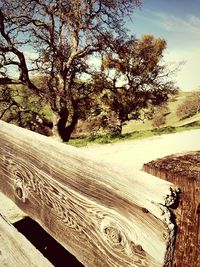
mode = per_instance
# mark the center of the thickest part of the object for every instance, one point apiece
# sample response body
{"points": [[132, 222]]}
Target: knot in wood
{"points": [[20, 192], [113, 235], [198, 209]]}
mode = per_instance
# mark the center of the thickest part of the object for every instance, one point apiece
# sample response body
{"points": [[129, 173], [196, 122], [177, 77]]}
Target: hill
{"points": [[138, 129], [171, 118]]}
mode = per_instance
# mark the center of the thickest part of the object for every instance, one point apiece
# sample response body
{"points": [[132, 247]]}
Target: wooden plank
{"points": [[16, 250], [104, 215], [184, 171], [10, 210]]}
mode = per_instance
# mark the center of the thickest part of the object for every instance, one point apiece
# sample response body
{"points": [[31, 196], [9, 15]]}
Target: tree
{"points": [[61, 35], [190, 106], [19, 106], [158, 114], [134, 77]]}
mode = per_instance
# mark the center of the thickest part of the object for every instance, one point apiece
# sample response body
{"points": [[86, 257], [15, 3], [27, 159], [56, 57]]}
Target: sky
{"points": [[177, 21]]}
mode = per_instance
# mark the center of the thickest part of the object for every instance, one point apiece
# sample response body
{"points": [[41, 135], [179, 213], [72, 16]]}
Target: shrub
{"points": [[164, 130], [189, 106], [158, 120]]}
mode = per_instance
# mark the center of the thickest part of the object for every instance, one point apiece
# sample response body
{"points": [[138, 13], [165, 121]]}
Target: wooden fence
{"points": [[105, 215]]}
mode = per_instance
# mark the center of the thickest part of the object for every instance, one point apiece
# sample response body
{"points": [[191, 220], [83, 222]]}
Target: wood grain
{"points": [[184, 171], [16, 250], [104, 215]]}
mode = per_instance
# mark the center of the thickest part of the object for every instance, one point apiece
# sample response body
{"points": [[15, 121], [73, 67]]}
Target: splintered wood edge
{"points": [[126, 207], [16, 250]]}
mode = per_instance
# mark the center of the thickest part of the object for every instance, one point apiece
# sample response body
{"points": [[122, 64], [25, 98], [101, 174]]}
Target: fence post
{"points": [[184, 171]]}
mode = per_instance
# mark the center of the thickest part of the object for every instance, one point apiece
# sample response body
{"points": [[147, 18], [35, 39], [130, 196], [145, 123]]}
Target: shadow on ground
{"points": [[48, 246]]}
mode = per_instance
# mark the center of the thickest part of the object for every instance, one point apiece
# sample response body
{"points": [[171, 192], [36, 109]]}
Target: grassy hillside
{"points": [[171, 119], [138, 129]]}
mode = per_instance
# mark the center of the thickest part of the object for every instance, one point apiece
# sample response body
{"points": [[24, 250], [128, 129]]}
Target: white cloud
{"points": [[189, 24], [188, 77], [195, 21]]}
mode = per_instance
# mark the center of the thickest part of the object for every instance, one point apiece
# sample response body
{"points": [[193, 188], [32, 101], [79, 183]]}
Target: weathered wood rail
{"points": [[104, 215]]}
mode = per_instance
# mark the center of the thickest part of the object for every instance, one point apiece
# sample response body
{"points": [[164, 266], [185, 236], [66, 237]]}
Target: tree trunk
{"points": [[117, 129], [55, 128], [60, 130], [115, 124]]}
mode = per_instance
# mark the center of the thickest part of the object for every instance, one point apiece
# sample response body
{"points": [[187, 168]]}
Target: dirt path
{"points": [[132, 154]]}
